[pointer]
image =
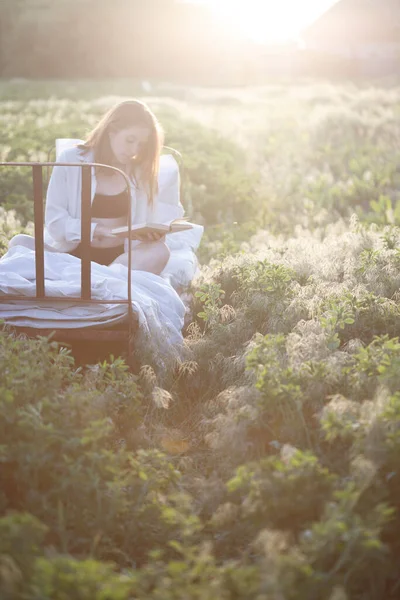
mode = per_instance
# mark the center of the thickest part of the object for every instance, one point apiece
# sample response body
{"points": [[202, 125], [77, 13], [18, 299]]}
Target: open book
{"points": [[144, 228]]}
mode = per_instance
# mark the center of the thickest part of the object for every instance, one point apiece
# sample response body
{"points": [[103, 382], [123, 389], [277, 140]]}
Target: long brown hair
{"points": [[123, 115]]}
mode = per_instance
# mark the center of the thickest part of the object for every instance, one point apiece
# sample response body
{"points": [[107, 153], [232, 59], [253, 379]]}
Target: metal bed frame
{"points": [[125, 335]]}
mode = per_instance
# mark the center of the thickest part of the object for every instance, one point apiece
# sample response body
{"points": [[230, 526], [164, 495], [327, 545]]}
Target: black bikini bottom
{"points": [[102, 256]]}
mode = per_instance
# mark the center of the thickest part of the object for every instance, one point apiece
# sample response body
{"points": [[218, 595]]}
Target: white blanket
{"points": [[158, 306]]}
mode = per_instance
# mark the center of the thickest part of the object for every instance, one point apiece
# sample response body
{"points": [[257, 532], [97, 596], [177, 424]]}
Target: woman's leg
{"points": [[147, 256]]}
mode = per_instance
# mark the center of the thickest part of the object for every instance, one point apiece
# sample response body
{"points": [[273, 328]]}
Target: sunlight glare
{"points": [[267, 20]]}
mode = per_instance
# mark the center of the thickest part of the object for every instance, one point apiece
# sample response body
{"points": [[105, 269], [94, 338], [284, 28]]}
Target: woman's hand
{"points": [[101, 231], [151, 237]]}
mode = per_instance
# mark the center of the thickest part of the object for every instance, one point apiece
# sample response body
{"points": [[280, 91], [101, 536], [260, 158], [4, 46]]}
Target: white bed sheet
{"points": [[158, 306]]}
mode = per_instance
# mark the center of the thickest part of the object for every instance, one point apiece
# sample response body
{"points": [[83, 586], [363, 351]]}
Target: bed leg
{"points": [[131, 359]]}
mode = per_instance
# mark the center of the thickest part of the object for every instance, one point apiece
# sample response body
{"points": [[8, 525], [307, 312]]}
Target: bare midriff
{"points": [[109, 186]]}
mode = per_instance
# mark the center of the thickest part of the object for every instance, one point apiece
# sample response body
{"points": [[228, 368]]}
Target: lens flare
{"points": [[267, 20]]}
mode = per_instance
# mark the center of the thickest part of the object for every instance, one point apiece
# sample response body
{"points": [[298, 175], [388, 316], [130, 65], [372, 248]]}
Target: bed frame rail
{"points": [[86, 295]]}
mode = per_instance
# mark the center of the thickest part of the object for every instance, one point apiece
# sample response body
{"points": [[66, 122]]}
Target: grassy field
{"points": [[265, 466]]}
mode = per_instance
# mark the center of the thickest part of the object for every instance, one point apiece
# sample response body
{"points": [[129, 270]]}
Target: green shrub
{"points": [[376, 363], [282, 494], [344, 548]]}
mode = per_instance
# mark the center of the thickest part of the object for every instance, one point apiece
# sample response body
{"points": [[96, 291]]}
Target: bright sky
{"points": [[267, 20]]}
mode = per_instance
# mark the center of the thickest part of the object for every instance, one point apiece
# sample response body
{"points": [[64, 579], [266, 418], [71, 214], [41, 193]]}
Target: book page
{"points": [[141, 229], [144, 228]]}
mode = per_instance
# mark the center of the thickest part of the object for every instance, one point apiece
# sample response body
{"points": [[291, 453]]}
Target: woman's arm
{"points": [[60, 224]]}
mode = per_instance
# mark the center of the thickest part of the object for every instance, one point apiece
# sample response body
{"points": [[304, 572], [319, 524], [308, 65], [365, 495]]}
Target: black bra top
{"points": [[104, 206]]}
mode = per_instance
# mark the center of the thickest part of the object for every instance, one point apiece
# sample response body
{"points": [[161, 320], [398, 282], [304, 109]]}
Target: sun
{"points": [[267, 20]]}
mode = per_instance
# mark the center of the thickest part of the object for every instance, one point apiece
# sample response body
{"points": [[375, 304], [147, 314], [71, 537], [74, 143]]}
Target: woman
{"points": [[130, 138]]}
